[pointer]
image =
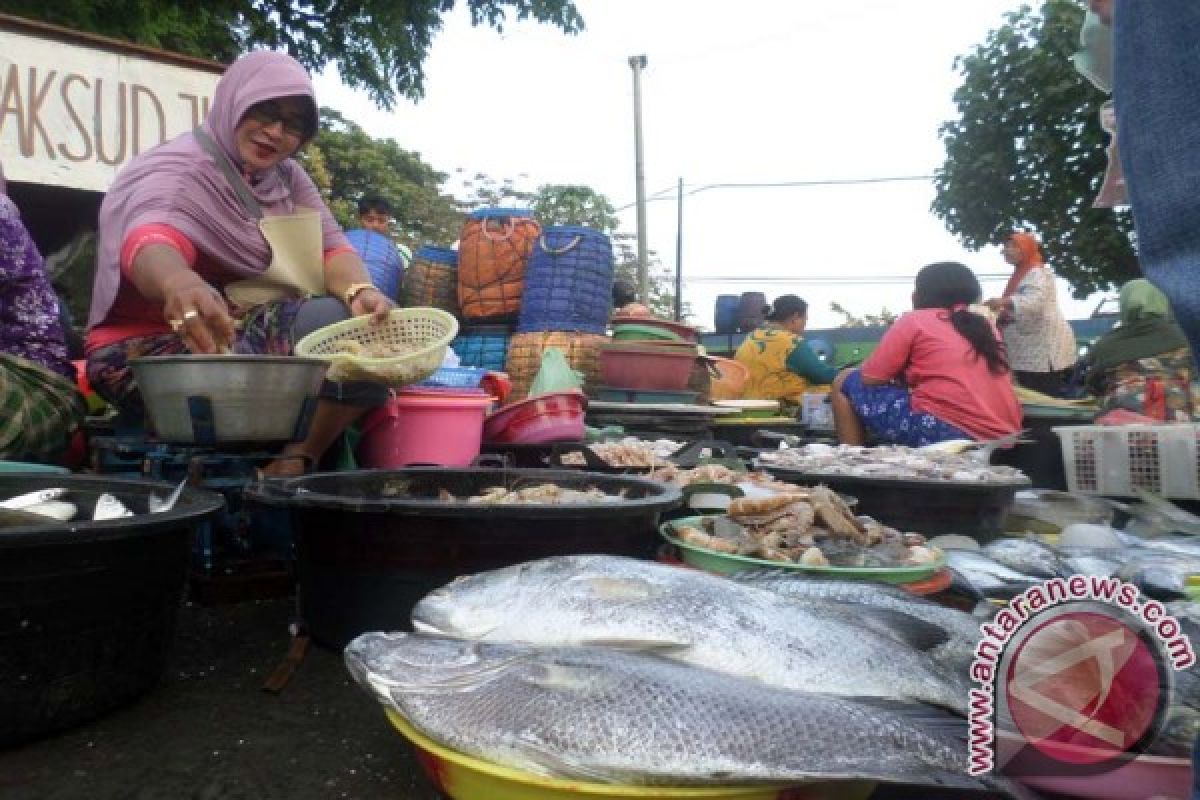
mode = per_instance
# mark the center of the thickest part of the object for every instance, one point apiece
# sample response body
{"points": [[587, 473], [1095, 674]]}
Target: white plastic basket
{"points": [[1118, 460], [419, 336]]}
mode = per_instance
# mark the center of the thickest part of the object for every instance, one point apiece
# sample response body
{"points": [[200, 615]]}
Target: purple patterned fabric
{"points": [[29, 322]]}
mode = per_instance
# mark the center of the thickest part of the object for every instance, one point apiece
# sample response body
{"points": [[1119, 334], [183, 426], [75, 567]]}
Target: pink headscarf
{"points": [[178, 184]]}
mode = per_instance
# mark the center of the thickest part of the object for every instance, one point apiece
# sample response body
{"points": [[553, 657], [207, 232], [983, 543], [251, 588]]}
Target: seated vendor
{"points": [[1144, 365], [940, 372], [222, 224], [782, 366], [625, 302], [41, 406]]}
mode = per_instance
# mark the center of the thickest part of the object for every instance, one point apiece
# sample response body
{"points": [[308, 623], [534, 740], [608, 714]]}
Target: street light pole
{"points": [[679, 255], [638, 63]]}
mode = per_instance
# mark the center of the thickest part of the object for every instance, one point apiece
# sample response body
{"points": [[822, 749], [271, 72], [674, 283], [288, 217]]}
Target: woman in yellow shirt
{"points": [[781, 364]]}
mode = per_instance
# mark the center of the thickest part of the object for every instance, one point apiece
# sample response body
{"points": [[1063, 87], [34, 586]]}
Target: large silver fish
{"points": [[636, 719], [1027, 556], [987, 574], [1161, 575], [962, 630], [699, 619]]}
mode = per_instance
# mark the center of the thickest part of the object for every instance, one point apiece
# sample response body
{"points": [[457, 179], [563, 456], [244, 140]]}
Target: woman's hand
{"points": [[373, 302], [999, 305], [198, 313]]}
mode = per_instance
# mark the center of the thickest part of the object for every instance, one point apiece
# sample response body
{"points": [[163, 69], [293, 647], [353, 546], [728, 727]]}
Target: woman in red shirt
{"points": [[940, 372]]}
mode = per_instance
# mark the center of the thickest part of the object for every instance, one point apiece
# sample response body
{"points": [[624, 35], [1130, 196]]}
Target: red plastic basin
{"points": [[554, 417], [646, 366]]}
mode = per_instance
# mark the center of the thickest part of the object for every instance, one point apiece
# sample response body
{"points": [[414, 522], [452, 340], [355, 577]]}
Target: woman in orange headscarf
{"points": [[1040, 342]]}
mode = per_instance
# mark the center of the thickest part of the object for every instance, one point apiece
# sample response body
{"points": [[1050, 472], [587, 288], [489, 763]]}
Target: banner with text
{"points": [[72, 115]]}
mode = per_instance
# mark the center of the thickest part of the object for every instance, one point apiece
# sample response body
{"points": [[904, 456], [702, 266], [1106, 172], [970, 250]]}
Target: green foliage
{"points": [[574, 205], [1027, 151], [378, 45], [883, 318], [483, 191], [347, 163]]}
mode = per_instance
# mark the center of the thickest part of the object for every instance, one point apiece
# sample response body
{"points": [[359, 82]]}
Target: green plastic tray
{"points": [[727, 564], [630, 333], [1058, 412]]}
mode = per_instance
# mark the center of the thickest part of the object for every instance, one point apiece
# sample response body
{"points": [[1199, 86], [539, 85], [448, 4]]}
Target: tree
{"points": [[1027, 151], [882, 319], [347, 163], [379, 45], [575, 205]]}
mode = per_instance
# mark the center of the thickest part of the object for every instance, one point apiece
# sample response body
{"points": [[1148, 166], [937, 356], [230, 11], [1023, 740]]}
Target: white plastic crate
{"points": [[815, 411], [1118, 460]]}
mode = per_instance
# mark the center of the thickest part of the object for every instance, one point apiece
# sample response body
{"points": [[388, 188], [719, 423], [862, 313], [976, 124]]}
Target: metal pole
{"points": [[679, 255], [638, 63]]}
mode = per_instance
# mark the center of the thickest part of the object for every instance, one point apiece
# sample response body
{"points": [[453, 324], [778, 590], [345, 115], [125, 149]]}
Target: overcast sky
{"points": [[764, 91]]}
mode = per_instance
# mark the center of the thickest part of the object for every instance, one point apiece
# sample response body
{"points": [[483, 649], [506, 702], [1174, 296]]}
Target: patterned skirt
{"points": [[886, 412], [39, 411]]}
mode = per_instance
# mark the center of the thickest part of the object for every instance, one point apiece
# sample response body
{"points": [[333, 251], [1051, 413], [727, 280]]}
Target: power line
{"points": [[670, 190], [829, 182], [826, 279]]}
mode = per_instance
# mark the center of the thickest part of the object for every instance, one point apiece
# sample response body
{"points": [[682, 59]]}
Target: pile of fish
{"points": [[47, 506], [542, 494], [753, 483], [628, 452], [616, 670], [813, 527], [894, 462], [1160, 566]]}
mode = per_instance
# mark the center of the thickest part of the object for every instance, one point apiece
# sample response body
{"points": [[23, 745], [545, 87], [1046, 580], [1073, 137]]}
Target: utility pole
{"points": [[679, 255], [638, 63]]}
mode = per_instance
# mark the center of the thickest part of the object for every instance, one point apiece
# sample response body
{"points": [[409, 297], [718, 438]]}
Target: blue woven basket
{"points": [[380, 257], [438, 255], [456, 377], [482, 346], [568, 282], [500, 213]]}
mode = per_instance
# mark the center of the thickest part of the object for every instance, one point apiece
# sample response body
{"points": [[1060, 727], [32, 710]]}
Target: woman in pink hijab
{"points": [[218, 240]]}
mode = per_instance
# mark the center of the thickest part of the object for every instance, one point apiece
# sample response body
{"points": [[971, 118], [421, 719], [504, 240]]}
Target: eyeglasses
{"points": [[268, 113]]}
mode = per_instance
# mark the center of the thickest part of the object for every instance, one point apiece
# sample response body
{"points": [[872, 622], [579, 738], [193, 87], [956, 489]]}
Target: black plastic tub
{"points": [[371, 543], [932, 508], [88, 609]]}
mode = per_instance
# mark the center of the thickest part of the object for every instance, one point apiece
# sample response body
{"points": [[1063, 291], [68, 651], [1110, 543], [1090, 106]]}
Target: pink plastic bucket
{"points": [[424, 428]]}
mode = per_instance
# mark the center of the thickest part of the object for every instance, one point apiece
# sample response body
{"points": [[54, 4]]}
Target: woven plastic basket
{"points": [[568, 282], [431, 280], [418, 336]]}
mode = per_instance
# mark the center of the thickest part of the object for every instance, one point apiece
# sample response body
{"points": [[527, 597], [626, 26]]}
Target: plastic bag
{"points": [[555, 374]]}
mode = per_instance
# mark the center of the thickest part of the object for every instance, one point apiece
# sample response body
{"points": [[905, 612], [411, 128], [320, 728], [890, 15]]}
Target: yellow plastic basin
{"points": [[465, 778]]}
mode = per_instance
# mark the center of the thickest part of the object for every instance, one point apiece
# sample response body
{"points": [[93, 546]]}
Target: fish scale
{"points": [[633, 718], [688, 616], [962, 630]]}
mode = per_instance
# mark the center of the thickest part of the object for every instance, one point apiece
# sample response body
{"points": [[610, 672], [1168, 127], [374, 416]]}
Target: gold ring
{"points": [[190, 314], [175, 324]]}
